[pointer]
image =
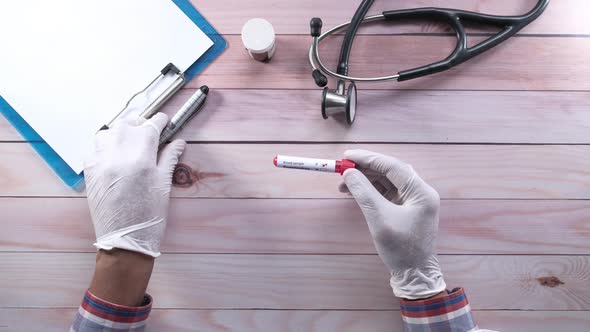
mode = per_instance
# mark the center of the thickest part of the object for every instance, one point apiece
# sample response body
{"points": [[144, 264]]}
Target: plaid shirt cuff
{"points": [[96, 314], [450, 313]]}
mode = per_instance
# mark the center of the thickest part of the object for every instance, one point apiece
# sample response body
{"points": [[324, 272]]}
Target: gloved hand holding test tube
{"points": [[401, 211]]}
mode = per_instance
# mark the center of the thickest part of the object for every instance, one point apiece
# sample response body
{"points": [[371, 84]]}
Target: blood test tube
{"points": [[312, 164]]}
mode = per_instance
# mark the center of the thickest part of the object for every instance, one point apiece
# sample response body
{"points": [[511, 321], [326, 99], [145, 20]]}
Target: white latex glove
{"points": [[402, 213], [128, 186]]}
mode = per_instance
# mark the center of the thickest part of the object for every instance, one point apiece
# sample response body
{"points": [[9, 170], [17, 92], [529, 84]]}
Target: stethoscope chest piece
{"points": [[336, 102]]}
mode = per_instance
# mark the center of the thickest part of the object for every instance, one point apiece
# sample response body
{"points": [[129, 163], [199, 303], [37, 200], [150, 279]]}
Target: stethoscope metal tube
{"points": [[314, 55], [336, 101]]}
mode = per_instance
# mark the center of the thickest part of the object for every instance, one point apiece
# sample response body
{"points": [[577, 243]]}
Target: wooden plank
{"points": [[535, 63], [300, 281], [533, 321], [8, 132], [292, 17], [410, 116], [58, 320], [246, 171], [331, 226]]}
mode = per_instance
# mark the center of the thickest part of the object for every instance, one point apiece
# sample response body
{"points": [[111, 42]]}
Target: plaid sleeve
{"points": [[450, 313], [99, 315]]}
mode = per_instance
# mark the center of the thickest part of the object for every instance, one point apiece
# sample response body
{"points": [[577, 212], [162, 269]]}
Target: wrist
{"points": [[417, 286], [423, 282], [121, 276]]}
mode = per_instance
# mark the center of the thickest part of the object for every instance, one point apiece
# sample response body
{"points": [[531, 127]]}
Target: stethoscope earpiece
{"points": [[316, 31], [316, 26], [336, 102], [320, 79]]}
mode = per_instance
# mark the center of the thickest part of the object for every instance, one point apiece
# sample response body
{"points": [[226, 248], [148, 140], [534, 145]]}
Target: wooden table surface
{"points": [[504, 138]]}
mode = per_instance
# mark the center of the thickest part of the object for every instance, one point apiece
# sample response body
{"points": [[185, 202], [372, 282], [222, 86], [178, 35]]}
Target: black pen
{"points": [[191, 108]]}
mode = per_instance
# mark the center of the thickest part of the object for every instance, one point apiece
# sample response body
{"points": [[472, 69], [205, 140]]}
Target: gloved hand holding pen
{"points": [[401, 211], [128, 186], [128, 183]]}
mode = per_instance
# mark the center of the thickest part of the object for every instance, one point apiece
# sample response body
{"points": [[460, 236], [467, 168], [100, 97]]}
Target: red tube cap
{"points": [[343, 165]]}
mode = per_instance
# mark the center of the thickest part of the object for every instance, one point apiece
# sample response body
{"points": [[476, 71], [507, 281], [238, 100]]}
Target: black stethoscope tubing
{"points": [[455, 18]]}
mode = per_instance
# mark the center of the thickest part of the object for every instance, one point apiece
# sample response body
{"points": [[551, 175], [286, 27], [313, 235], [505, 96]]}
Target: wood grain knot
{"points": [[185, 177], [550, 281]]}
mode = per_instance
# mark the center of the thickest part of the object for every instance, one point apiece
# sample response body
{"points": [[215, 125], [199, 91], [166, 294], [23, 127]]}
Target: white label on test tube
{"points": [[321, 165]]}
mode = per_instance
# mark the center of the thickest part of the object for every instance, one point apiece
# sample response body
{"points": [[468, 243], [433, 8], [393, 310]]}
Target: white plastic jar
{"points": [[258, 36]]}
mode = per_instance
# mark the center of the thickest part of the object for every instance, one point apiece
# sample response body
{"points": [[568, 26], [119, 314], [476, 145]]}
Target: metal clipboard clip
{"points": [[157, 103]]}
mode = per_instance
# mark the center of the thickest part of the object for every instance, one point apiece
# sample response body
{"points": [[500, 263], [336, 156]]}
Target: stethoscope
{"points": [[344, 100]]}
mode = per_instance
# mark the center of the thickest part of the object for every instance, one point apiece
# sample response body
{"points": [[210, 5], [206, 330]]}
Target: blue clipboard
{"points": [[61, 168]]}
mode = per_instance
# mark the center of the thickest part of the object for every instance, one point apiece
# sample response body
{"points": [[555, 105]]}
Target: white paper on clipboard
{"points": [[68, 67]]}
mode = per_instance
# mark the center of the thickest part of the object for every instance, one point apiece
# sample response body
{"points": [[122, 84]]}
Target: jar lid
{"points": [[258, 35]]}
